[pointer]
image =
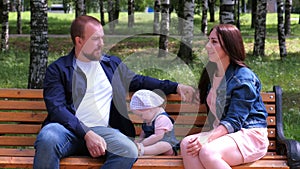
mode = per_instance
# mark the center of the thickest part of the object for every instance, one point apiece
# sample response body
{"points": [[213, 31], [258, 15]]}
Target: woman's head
{"points": [[230, 40]]}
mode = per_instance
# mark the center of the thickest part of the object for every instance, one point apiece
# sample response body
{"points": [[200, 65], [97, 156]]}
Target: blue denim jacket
{"points": [[65, 86], [238, 103]]}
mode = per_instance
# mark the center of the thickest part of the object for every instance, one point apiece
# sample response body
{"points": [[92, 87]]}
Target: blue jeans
{"points": [[55, 142]]}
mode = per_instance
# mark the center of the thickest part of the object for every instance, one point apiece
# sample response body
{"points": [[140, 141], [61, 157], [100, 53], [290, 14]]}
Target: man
{"points": [[85, 95]]}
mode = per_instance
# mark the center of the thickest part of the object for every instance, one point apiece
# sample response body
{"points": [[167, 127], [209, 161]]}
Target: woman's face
{"points": [[214, 50]]}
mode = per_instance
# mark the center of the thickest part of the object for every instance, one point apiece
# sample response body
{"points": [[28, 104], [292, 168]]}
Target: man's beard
{"points": [[92, 56]]}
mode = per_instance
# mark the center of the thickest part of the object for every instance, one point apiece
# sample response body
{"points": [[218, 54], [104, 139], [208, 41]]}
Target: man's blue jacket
{"points": [[65, 86]]}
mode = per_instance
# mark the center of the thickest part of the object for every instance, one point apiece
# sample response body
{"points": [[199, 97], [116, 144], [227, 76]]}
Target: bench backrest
{"points": [[23, 110]]}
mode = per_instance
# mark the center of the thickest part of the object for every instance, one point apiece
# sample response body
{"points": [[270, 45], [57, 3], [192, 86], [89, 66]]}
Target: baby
{"points": [[157, 136]]}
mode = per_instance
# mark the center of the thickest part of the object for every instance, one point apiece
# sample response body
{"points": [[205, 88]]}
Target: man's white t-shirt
{"points": [[95, 105]]}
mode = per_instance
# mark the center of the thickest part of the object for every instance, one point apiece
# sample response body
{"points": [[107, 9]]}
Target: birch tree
{"points": [[102, 19], [164, 28], [260, 28], [204, 17], [185, 49], [280, 28], [287, 19], [227, 11], [130, 13], [211, 8], [38, 43], [19, 17], [5, 25], [156, 28], [80, 8]]}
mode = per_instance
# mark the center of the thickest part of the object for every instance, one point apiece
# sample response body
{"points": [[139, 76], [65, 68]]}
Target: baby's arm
{"points": [[154, 138], [141, 137]]}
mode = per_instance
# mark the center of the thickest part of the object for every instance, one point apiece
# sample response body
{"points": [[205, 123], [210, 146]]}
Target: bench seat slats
{"points": [[143, 162], [22, 111]]}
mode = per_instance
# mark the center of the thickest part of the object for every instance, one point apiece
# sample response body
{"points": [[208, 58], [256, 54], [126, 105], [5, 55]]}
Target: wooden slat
{"points": [[270, 108], [271, 120], [17, 152], [268, 97], [22, 116], [22, 105], [271, 132], [21, 93], [16, 140], [19, 128], [145, 162], [264, 164]]}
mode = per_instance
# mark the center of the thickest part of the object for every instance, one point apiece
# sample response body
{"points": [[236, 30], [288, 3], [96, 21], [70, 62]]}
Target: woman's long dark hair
{"points": [[231, 41]]}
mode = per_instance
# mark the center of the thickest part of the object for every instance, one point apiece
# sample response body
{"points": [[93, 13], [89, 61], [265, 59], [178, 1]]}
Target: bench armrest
{"points": [[288, 147]]}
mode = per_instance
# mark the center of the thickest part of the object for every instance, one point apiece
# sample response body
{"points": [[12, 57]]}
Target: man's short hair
{"points": [[78, 25]]}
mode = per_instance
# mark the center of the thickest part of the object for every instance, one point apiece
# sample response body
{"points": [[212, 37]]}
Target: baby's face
{"points": [[146, 114]]}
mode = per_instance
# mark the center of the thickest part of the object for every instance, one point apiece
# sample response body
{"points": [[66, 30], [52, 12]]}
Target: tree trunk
{"points": [[287, 20], [185, 50], [244, 9], [227, 11], [130, 13], [204, 17], [253, 11], [280, 28], [5, 26], [80, 8], [38, 43], [211, 8], [19, 19], [111, 12], [156, 29], [260, 28], [117, 11], [180, 13], [164, 29], [102, 19]]}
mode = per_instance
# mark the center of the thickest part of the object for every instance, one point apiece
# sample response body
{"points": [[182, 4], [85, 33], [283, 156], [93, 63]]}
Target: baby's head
{"points": [[146, 102]]}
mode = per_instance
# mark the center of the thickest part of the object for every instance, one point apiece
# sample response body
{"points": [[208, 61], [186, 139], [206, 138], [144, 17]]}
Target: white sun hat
{"points": [[145, 99]]}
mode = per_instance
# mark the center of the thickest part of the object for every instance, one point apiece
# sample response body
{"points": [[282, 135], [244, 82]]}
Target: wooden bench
{"points": [[23, 110]]}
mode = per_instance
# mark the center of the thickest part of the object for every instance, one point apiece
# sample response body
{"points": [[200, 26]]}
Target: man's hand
{"points": [[95, 144], [187, 93]]}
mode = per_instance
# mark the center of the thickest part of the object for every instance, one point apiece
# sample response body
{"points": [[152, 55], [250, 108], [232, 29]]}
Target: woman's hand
{"points": [[194, 146]]}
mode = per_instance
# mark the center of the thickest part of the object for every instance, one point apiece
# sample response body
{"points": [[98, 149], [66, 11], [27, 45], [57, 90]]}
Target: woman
{"points": [[237, 118]]}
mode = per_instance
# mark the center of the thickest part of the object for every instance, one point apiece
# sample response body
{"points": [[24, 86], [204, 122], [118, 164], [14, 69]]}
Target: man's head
{"points": [[87, 36]]}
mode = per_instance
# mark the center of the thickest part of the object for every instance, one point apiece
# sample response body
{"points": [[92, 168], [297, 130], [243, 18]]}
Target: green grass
{"points": [[139, 53]]}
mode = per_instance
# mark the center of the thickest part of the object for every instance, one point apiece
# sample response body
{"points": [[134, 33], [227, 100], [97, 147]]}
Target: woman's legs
{"points": [[212, 155], [215, 154], [189, 161]]}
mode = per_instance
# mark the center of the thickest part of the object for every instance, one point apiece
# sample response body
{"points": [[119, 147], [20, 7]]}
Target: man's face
{"points": [[92, 42]]}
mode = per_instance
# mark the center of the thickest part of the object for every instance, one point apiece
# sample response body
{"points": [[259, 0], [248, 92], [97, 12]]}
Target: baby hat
{"points": [[145, 99]]}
